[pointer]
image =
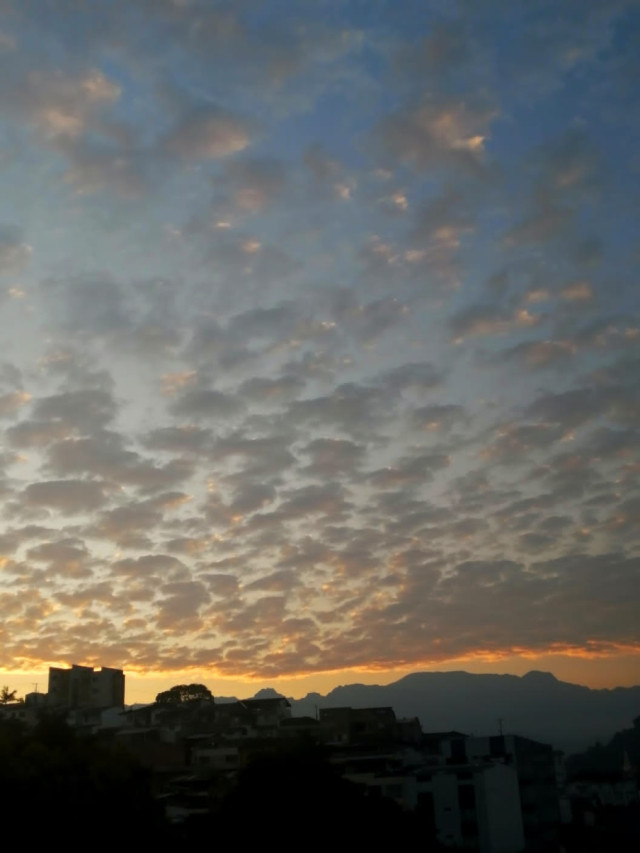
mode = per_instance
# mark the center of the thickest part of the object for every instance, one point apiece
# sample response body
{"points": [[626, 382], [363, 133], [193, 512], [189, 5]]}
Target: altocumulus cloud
{"points": [[320, 343]]}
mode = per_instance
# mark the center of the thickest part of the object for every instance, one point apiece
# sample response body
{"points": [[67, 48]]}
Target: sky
{"points": [[320, 340]]}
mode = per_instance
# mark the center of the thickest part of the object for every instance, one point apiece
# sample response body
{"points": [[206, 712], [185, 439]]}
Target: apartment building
{"points": [[85, 687]]}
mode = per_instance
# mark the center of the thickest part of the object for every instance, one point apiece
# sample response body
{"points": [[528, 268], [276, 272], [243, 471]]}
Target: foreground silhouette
{"points": [[62, 780], [295, 789]]}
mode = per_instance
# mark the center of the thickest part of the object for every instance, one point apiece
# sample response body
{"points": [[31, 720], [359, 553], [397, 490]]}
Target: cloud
{"points": [[570, 408], [36, 433], [239, 434], [14, 252], [438, 133], [351, 408], [333, 458], [418, 377], [180, 439], [263, 390], [131, 524], [579, 291], [329, 499], [208, 134], [410, 471], [94, 170], [94, 303], [150, 564], [60, 106], [489, 320], [542, 354], [438, 416], [207, 403], [12, 402], [66, 496], [513, 442], [253, 184], [105, 456], [67, 557], [546, 221], [84, 409], [180, 606]]}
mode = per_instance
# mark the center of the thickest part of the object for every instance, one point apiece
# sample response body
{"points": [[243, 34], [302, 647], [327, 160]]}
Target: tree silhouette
{"points": [[181, 693], [7, 696]]}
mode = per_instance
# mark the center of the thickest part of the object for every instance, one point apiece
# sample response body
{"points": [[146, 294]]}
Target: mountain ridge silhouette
{"points": [[536, 705]]}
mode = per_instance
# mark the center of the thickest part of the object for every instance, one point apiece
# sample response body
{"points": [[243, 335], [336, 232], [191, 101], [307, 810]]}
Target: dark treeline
{"points": [[607, 761]]}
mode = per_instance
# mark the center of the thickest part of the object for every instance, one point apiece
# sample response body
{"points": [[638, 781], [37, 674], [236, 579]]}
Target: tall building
{"points": [[85, 687], [535, 766]]}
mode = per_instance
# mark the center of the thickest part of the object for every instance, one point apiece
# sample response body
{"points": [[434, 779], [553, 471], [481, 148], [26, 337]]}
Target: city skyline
{"points": [[321, 340]]}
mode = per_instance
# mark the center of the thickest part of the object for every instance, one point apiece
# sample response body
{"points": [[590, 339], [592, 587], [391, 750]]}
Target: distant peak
{"points": [[538, 675], [268, 693]]}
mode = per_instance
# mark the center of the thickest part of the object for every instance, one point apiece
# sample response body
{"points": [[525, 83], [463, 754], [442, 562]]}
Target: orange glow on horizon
{"points": [[598, 666]]}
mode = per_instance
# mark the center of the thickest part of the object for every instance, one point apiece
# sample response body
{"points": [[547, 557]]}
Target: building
{"points": [[358, 725], [472, 807], [85, 687], [535, 765]]}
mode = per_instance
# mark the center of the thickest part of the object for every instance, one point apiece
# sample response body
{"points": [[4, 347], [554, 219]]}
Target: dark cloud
{"points": [[106, 456], [37, 433], [350, 408], [207, 403], [190, 439], [438, 416], [333, 458], [129, 525], [14, 252], [329, 500], [410, 471], [66, 496], [263, 390], [83, 410], [93, 303], [67, 557], [570, 408]]}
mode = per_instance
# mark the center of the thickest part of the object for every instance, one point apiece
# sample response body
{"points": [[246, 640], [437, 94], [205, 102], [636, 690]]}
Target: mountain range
{"points": [[536, 705]]}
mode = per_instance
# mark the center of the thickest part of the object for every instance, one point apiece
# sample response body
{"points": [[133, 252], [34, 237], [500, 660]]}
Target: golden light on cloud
{"points": [[171, 383], [400, 200], [538, 295], [579, 291], [472, 143], [343, 191], [251, 246]]}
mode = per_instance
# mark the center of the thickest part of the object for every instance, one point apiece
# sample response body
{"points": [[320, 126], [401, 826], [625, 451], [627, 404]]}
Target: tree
{"points": [[181, 693], [7, 696]]}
